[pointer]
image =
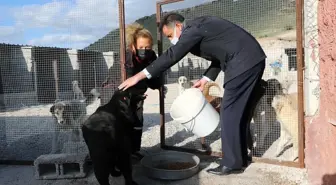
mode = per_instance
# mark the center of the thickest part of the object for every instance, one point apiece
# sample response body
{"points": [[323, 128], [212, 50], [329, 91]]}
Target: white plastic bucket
{"points": [[193, 111]]}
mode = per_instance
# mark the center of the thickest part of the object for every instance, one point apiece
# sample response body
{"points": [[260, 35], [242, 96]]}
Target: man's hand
{"points": [[200, 84], [128, 83], [132, 81]]}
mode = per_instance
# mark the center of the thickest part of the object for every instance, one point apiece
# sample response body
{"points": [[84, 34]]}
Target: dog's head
{"points": [[120, 102], [263, 83], [58, 111], [182, 80], [274, 87], [121, 99], [279, 102], [75, 83], [93, 96]]}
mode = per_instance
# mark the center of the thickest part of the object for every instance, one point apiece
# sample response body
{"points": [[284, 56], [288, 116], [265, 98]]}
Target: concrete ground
{"points": [[256, 174]]}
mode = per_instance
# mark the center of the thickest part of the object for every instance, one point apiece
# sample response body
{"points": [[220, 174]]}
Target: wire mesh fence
{"points": [[311, 47], [56, 59], [74, 53], [274, 129]]}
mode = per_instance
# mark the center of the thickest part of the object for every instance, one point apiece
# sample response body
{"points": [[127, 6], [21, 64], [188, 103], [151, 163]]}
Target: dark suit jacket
{"points": [[229, 48]]}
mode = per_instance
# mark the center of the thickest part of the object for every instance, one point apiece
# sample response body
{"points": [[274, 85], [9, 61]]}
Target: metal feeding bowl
{"points": [[170, 165]]}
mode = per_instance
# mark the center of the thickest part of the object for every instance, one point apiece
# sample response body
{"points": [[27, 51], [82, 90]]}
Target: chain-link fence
{"points": [[52, 60], [56, 58], [275, 132], [312, 73]]}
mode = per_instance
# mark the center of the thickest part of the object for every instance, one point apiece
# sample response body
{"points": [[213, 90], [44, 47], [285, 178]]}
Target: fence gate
{"points": [[277, 25]]}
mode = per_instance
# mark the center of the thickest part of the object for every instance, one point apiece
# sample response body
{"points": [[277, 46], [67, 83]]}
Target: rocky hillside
{"points": [[263, 18]]}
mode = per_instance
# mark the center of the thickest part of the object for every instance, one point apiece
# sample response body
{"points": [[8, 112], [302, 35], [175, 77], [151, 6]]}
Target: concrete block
{"points": [[61, 166]]}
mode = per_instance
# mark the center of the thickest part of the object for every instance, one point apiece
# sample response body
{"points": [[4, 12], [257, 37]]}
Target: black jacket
{"points": [[229, 48], [132, 67]]}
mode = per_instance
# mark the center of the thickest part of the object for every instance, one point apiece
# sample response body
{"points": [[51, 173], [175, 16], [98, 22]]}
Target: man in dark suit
{"points": [[230, 49]]}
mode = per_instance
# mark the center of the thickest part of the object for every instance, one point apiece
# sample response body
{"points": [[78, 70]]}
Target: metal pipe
{"points": [[163, 2], [121, 4], [161, 94], [35, 74], [95, 74], [300, 68], [56, 78]]}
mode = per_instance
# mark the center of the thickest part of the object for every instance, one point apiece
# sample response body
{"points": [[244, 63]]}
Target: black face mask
{"points": [[144, 54]]}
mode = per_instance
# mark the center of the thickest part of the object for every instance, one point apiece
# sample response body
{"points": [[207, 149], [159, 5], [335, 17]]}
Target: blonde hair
{"points": [[135, 31]]}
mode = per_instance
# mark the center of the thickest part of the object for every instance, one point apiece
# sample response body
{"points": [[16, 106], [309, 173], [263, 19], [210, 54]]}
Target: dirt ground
{"points": [[257, 174]]}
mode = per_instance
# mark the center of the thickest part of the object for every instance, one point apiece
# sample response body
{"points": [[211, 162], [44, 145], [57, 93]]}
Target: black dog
{"points": [[264, 115], [107, 133]]}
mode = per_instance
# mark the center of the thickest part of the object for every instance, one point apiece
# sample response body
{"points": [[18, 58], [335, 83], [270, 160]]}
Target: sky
{"points": [[70, 23]]}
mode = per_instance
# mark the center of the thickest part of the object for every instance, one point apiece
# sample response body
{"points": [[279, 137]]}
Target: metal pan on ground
{"points": [[171, 165]]}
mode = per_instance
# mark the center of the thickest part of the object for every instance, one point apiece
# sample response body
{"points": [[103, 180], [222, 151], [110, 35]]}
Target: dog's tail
{"points": [[207, 87]]}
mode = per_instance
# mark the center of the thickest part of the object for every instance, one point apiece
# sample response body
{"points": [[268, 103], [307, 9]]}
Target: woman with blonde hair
{"points": [[139, 55]]}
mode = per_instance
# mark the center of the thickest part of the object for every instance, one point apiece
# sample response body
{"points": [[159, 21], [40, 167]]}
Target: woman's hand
{"points": [[200, 84], [132, 81]]}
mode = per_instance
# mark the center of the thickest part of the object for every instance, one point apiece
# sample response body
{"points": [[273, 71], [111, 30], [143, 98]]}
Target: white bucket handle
{"points": [[192, 125], [183, 121], [192, 119]]}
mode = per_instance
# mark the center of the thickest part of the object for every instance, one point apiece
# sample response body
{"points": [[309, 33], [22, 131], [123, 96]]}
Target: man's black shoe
{"points": [[223, 170], [137, 155]]}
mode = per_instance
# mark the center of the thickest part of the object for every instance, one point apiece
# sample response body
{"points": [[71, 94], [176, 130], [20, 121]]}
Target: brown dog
{"points": [[286, 111], [215, 101]]}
